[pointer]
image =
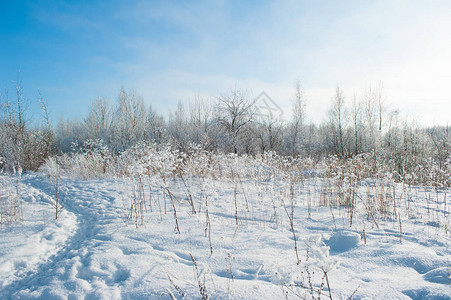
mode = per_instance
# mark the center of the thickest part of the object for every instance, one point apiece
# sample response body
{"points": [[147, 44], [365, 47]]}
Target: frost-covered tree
{"points": [[269, 133], [200, 120], [155, 127], [178, 127], [357, 125], [235, 114], [100, 119], [373, 102], [298, 119], [337, 119], [129, 120], [22, 147]]}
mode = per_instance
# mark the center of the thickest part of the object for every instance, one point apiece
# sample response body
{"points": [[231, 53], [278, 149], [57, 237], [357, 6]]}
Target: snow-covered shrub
{"points": [[150, 159], [20, 147], [434, 173], [199, 162], [52, 169], [90, 159], [10, 201]]}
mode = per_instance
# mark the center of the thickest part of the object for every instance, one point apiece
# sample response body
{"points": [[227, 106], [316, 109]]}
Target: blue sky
{"points": [[76, 51]]}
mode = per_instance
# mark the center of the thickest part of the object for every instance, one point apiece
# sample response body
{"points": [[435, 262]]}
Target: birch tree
{"points": [[337, 121], [298, 118]]}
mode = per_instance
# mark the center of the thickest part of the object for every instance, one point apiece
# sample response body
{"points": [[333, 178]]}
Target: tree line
{"points": [[228, 123]]}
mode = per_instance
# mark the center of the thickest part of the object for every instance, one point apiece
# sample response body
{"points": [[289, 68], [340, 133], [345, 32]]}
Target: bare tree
{"points": [[155, 127], [22, 146], [380, 101], [235, 114], [374, 107], [47, 132], [356, 123], [392, 137], [337, 120], [269, 132], [21, 105], [298, 117], [178, 127], [129, 119], [100, 119], [14, 139], [200, 115]]}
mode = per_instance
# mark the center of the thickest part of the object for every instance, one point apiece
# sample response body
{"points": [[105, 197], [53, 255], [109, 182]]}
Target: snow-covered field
{"points": [[112, 240]]}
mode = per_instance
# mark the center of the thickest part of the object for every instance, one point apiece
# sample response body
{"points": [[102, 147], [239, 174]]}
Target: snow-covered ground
{"points": [[102, 248]]}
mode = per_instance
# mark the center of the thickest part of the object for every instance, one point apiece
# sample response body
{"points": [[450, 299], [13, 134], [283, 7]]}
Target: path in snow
{"points": [[73, 269], [24, 246], [106, 257]]}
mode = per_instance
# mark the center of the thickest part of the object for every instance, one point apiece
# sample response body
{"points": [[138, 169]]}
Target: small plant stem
{"points": [[236, 204], [400, 228], [175, 211]]}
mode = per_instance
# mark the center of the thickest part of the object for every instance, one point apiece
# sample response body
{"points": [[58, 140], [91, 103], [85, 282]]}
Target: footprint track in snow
{"points": [[88, 206]]}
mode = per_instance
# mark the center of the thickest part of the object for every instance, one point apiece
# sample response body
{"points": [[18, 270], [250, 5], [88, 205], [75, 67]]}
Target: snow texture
{"points": [[95, 251]]}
